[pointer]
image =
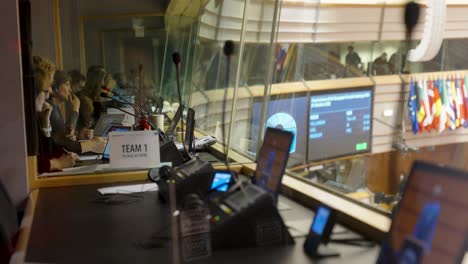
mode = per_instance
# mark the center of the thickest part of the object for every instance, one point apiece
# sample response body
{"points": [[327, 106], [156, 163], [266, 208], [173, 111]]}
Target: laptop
{"points": [[430, 223], [85, 160], [272, 160], [106, 153], [106, 121]]}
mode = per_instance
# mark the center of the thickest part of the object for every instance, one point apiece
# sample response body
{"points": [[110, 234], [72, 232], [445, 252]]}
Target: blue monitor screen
{"points": [[106, 153], [340, 123], [221, 181], [320, 220]]}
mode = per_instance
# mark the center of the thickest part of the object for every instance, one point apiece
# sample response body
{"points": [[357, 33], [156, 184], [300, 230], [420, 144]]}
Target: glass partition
{"points": [[134, 47], [112, 71], [285, 53], [214, 75]]}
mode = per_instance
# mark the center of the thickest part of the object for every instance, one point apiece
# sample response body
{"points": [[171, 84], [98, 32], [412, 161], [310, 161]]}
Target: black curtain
{"points": [[29, 92]]}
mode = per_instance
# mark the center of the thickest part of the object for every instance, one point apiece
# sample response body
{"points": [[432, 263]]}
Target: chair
{"points": [[8, 225]]}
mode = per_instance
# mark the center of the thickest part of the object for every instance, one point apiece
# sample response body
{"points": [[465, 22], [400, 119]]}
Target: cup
{"points": [[158, 121]]}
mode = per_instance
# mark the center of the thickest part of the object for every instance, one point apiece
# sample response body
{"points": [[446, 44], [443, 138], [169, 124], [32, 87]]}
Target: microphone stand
{"points": [[176, 60], [228, 50]]}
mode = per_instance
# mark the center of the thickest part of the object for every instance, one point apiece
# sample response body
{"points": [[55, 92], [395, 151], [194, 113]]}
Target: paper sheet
{"points": [[299, 228], [134, 188]]}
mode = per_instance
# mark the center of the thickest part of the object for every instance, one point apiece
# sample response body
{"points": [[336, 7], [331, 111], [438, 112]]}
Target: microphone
{"points": [[107, 89], [412, 11], [176, 60], [228, 48], [121, 97], [104, 95]]}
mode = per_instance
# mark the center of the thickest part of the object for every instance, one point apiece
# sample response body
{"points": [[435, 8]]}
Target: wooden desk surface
{"points": [[68, 227]]}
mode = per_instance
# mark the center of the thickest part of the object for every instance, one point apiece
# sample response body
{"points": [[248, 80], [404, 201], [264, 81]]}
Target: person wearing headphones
{"points": [[64, 117]]}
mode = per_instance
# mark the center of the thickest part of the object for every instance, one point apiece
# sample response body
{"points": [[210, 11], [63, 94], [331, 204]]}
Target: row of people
{"points": [[67, 106], [380, 66]]}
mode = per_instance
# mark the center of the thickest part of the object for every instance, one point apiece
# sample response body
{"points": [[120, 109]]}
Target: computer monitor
{"points": [[430, 223], [340, 123], [106, 121], [287, 113], [272, 159]]}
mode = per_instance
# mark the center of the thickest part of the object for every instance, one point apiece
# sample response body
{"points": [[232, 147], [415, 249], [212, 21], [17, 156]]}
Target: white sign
{"points": [[135, 149]]}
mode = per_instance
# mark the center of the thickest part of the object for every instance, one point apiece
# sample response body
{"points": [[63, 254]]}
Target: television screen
{"points": [[287, 114], [340, 123]]}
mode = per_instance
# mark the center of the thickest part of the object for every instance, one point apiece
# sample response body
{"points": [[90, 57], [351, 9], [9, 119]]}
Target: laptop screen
{"points": [[272, 159], [430, 224]]}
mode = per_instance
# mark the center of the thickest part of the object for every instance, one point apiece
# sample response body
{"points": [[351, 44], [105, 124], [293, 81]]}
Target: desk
{"points": [[67, 227]]}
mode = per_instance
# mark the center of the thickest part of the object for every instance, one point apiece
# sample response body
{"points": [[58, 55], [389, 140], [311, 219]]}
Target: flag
{"points": [[465, 98], [460, 104], [455, 102], [431, 110], [443, 124], [437, 107], [425, 102], [413, 107], [421, 115], [450, 107], [461, 101]]}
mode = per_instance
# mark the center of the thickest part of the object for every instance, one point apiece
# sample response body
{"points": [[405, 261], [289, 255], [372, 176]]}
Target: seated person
{"points": [[77, 81], [65, 113], [381, 65], [64, 118], [51, 157], [90, 106]]}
